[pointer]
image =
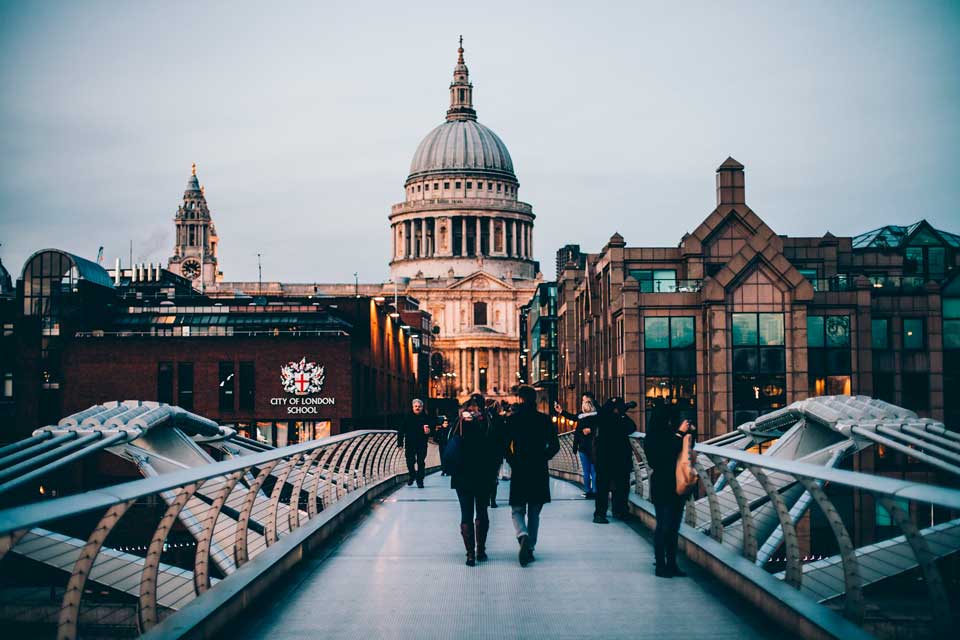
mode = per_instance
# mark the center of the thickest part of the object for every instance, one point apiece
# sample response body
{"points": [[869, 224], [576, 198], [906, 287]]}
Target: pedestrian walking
{"points": [[477, 450], [583, 440], [412, 435], [532, 441], [662, 446], [440, 435], [613, 457]]}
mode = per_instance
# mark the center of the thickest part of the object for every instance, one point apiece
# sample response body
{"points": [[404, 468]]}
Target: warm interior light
{"points": [[379, 299]]}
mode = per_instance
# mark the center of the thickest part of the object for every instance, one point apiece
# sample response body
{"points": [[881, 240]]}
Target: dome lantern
{"points": [[461, 91]]}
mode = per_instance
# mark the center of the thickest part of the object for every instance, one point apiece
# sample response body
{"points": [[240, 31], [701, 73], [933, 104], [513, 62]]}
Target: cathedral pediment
{"points": [[481, 281]]}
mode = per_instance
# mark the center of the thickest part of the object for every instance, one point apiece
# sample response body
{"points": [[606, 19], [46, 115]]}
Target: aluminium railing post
{"points": [[201, 562], [147, 608], [939, 602], [794, 570], [9, 540], [853, 592], [281, 482], [746, 516], [716, 520], [240, 545], [308, 464], [70, 609]]}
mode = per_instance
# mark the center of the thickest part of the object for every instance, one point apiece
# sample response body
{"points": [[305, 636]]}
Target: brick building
{"points": [[736, 321], [83, 335]]}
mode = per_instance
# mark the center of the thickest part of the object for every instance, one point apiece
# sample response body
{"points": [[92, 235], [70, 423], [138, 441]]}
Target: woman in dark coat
{"points": [[613, 456], [440, 435], [473, 477], [532, 441], [662, 446]]}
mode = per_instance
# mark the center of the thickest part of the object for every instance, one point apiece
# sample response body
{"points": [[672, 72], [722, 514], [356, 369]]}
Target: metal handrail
{"points": [[233, 509]]}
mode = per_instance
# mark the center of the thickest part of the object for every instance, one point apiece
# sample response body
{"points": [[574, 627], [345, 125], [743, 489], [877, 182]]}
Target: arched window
{"points": [[479, 313]]}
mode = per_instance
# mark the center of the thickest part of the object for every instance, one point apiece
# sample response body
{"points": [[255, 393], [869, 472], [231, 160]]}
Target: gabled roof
{"points": [[895, 236]]}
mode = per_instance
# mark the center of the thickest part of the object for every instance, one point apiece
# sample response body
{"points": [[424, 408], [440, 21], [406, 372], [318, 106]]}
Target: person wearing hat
{"points": [[613, 457]]}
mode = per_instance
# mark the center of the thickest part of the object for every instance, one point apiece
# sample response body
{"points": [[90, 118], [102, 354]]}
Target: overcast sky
{"points": [[303, 119]]}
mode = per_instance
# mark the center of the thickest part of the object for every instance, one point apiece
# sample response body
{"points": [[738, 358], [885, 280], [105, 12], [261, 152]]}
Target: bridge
{"points": [[226, 535]]}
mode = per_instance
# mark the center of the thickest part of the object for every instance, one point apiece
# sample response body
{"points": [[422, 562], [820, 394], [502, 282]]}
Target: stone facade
{"points": [[736, 320]]}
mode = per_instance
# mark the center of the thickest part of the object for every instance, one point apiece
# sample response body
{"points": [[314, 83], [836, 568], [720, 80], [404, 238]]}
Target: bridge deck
{"points": [[399, 573]]}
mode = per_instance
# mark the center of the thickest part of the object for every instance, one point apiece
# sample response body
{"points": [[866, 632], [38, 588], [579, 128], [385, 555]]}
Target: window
{"points": [[828, 353], [883, 387], [759, 365], [185, 385], [489, 186], [436, 186], [479, 313], [498, 186], [246, 386], [7, 329], [446, 185], [811, 275], [913, 333], [7, 385], [165, 382], [469, 185], [880, 333], [951, 323], [227, 384], [655, 280], [916, 392], [457, 184], [670, 363]]}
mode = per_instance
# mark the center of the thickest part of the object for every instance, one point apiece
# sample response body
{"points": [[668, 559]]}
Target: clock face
{"points": [[190, 269]]}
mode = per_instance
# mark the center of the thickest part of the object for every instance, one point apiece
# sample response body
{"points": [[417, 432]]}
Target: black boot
{"points": [[482, 527], [466, 532]]}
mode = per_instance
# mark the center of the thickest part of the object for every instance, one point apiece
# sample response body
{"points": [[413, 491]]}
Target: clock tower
{"points": [[195, 250]]}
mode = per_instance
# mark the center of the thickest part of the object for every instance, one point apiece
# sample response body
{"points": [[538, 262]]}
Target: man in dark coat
{"points": [[613, 457], [662, 446], [413, 434], [531, 442]]}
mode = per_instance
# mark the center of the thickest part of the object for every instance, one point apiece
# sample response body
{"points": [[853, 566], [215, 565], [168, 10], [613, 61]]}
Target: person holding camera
{"points": [[662, 446], [532, 441], [412, 436], [583, 440], [472, 476], [440, 435], [613, 457]]}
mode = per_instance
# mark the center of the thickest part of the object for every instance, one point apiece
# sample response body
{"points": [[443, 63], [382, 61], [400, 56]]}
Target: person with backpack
{"points": [[531, 442], [473, 452], [613, 457], [662, 446]]}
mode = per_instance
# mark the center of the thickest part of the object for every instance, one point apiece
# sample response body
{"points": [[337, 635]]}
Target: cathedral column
{"points": [[423, 237], [503, 374], [407, 239], [503, 237], [462, 372], [513, 240], [479, 245], [523, 237], [463, 237], [490, 229], [530, 240], [476, 369]]}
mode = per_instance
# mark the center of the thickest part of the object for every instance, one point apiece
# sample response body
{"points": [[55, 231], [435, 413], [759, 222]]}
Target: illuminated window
{"points": [[913, 333]]}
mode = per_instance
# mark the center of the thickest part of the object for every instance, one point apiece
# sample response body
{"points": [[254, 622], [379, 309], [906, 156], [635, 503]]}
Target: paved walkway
{"points": [[399, 573]]}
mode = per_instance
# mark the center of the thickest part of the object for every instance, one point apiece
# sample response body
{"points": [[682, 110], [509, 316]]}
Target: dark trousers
{"points": [[669, 514], [617, 481], [471, 503], [416, 460]]}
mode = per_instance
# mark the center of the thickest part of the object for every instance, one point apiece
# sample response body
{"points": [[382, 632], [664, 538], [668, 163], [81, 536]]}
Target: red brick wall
{"points": [[97, 370]]}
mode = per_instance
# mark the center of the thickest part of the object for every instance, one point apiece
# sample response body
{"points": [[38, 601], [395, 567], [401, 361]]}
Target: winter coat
{"points": [[611, 442], [410, 432], [531, 441], [583, 443], [481, 453], [662, 446]]}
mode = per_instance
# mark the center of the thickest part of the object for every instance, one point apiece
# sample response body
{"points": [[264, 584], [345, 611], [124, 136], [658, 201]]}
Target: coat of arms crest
{"points": [[302, 378]]}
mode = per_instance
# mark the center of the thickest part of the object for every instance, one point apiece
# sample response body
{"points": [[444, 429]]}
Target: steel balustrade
{"points": [[234, 510], [754, 489]]}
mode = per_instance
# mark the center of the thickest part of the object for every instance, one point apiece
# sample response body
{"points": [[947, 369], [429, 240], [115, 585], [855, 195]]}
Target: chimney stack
{"points": [[730, 186]]}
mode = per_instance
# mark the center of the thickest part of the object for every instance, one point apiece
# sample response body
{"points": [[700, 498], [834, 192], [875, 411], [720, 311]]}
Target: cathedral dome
{"points": [[462, 146]]}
